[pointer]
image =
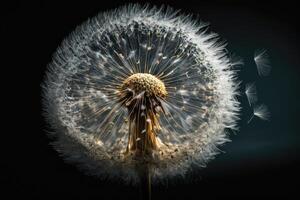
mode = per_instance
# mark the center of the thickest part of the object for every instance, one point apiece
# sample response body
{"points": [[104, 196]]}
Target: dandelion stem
{"points": [[149, 185], [145, 181]]}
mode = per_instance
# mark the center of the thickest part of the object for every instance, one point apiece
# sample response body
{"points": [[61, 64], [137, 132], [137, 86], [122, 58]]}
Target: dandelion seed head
{"points": [[147, 71]]}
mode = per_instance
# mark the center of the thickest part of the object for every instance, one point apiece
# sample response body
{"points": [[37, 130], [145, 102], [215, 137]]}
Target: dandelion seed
{"points": [[187, 75], [250, 92], [183, 92], [261, 112], [131, 54], [99, 142], [261, 59], [176, 60]]}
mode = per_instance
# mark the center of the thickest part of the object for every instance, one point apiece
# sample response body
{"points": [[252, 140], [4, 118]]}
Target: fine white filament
{"points": [[250, 91], [261, 112], [262, 62]]}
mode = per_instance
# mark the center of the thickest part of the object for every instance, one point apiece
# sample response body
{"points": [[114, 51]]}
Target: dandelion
{"points": [[261, 112], [140, 86], [250, 92], [262, 62]]}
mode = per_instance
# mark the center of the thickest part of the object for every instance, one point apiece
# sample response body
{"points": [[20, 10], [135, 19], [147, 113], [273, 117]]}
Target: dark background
{"points": [[262, 160]]}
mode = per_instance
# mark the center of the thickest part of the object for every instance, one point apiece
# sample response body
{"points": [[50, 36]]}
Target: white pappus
{"points": [[85, 82], [262, 62]]}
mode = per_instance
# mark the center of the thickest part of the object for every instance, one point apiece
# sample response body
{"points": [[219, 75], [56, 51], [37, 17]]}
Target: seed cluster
{"points": [[140, 82]]}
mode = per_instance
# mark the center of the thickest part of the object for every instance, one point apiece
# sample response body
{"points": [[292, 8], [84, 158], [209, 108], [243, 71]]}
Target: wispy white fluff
{"points": [[261, 112], [250, 91], [262, 61], [81, 90]]}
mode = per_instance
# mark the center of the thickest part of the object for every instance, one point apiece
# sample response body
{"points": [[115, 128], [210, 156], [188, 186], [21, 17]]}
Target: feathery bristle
{"points": [[262, 112], [250, 91], [262, 61]]}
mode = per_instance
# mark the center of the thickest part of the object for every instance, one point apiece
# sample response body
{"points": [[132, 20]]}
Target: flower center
{"points": [[143, 82], [142, 94]]}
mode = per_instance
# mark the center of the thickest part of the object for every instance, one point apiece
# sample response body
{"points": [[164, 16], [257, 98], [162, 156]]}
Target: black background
{"points": [[262, 160]]}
